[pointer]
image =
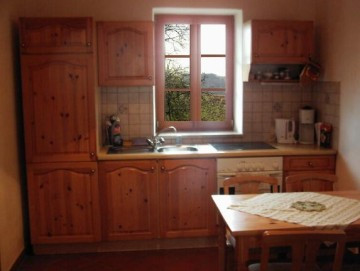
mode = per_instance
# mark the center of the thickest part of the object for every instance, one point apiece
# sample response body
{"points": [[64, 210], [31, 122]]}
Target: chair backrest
{"points": [[310, 182], [250, 184], [304, 247]]}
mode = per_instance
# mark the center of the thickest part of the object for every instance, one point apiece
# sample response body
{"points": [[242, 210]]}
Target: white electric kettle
{"points": [[285, 130]]}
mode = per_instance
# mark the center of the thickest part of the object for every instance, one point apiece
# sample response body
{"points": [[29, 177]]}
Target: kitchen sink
{"points": [[123, 150], [175, 148]]}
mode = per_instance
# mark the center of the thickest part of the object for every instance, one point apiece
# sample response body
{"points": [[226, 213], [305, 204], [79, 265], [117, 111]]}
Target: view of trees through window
{"points": [[178, 78]]}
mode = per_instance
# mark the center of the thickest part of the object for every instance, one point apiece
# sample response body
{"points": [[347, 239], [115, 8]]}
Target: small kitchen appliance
{"points": [[285, 130], [306, 125]]}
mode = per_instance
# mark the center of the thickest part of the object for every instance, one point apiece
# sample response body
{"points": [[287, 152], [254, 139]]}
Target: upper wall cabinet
{"points": [[58, 100], [278, 42], [56, 35], [125, 53]]}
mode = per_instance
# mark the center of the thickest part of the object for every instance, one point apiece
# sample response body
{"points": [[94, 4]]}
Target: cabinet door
{"points": [[128, 192], [63, 203], [125, 52], [299, 41], [186, 208], [281, 42], [56, 35], [268, 41], [59, 107]]}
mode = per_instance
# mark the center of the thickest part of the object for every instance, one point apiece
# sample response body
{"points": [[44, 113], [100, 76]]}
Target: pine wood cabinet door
{"points": [[56, 35], [63, 203], [59, 107], [186, 187], [129, 195], [125, 52], [281, 42]]}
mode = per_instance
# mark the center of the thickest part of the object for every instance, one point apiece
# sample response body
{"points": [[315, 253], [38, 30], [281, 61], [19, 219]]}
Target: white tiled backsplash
{"points": [[262, 104]]}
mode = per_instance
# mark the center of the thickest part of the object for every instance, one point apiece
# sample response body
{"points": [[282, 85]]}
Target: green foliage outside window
{"points": [[177, 85]]}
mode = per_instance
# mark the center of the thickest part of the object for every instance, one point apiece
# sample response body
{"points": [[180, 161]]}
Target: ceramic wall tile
{"points": [[262, 105]]}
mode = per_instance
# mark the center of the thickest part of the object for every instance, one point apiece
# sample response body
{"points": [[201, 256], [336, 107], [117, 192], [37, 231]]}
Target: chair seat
{"points": [[281, 267]]}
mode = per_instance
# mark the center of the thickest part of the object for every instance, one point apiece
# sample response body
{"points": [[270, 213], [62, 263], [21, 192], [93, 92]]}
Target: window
{"points": [[194, 72]]}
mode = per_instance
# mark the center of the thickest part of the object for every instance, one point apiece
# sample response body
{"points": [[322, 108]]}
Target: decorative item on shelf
{"points": [[325, 135], [310, 72], [258, 75], [268, 75], [114, 131]]}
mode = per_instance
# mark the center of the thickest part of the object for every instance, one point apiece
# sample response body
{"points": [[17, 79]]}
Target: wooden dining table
{"points": [[247, 229]]}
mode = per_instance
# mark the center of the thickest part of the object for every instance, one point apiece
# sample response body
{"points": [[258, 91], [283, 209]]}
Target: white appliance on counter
{"points": [[306, 126], [285, 130], [268, 166]]}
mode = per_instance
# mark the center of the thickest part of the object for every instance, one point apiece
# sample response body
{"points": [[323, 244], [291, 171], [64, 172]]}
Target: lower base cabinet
{"points": [[129, 201], [157, 199], [186, 207], [308, 164], [63, 202]]}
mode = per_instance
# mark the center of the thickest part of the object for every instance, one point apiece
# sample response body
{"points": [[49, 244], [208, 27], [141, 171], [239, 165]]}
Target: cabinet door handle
{"points": [[92, 171], [150, 77], [88, 44], [162, 168], [152, 169], [310, 164], [92, 154]]}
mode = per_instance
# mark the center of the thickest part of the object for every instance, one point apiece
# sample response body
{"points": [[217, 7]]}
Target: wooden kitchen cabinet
{"points": [[125, 53], [280, 42], [307, 164], [129, 196], [63, 202], [59, 107], [186, 186], [56, 35]]}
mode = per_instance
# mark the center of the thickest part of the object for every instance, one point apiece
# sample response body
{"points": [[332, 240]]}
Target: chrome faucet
{"points": [[158, 140]]}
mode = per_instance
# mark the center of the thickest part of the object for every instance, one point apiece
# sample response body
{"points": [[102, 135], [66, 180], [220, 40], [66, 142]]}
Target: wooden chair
{"points": [[304, 249], [250, 184], [310, 182]]}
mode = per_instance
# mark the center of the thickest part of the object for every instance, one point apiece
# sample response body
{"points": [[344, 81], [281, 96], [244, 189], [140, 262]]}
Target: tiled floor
{"points": [[204, 259]]}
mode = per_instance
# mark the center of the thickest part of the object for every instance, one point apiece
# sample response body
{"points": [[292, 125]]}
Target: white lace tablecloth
{"points": [[339, 211]]}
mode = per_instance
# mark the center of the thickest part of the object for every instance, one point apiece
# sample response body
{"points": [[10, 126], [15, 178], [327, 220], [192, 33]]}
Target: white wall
{"points": [[11, 222], [11, 229], [339, 53]]}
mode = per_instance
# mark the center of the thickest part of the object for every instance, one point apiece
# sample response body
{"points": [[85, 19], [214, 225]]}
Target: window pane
{"points": [[177, 39], [213, 72], [213, 106], [177, 73], [213, 39], [177, 106]]}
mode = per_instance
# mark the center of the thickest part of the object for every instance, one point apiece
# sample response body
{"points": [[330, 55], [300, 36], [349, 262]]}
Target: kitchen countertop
{"points": [[208, 151]]}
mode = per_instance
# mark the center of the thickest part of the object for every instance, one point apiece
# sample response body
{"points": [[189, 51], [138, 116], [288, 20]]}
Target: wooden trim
{"points": [[195, 70], [126, 245]]}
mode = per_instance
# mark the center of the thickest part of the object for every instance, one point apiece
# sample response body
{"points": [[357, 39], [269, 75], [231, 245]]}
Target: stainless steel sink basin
{"points": [[124, 150], [175, 148]]}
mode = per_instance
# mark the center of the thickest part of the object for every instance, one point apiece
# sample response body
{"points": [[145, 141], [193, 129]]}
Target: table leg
{"points": [[242, 253], [221, 244]]}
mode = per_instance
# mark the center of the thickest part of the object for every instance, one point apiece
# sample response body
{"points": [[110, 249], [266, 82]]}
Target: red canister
{"points": [[325, 135]]}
